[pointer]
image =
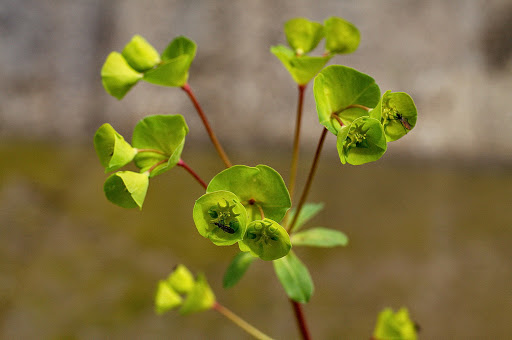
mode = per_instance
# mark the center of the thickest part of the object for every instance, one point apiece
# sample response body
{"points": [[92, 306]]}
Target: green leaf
{"points": [[220, 217], [319, 237], [362, 142], [181, 279], [178, 47], [140, 55], [199, 299], [341, 36], [308, 211], [397, 113], [259, 186], [267, 239], [295, 278], [301, 68], [117, 76], [113, 151], [337, 88], [394, 325], [166, 298], [176, 61], [303, 35], [126, 189], [163, 133], [237, 269]]}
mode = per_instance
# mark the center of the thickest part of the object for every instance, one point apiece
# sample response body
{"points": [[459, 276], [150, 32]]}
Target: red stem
{"points": [[192, 172], [213, 138], [309, 180], [296, 139], [301, 321]]}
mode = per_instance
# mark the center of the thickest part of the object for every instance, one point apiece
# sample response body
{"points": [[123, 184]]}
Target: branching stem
{"points": [[240, 322], [309, 180], [213, 138], [192, 172]]}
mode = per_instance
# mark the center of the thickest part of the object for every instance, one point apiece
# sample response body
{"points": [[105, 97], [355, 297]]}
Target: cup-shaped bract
{"points": [[140, 55], [259, 187], [343, 91], [301, 68], [361, 142], [176, 60], [341, 36], [266, 239], [220, 217], [113, 151], [303, 35], [181, 279], [395, 325], [159, 138], [118, 76], [166, 297], [397, 113], [200, 298], [127, 189]]}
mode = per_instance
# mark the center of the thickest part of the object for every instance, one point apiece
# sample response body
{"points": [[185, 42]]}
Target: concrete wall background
{"points": [[453, 57]]}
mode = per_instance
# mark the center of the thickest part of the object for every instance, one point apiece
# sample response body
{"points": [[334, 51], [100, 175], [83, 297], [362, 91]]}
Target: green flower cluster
{"points": [[242, 205], [349, 105]]}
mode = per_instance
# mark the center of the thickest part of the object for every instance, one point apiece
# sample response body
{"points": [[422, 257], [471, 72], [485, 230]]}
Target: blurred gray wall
{"points": [[453, 57]]}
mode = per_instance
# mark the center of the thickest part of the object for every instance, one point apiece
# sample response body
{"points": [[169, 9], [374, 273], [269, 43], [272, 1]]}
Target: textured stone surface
{"points": [[453, 57]]}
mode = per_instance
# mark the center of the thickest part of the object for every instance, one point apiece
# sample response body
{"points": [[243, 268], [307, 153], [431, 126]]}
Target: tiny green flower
{"points": [[220, 217], [361, 142]]}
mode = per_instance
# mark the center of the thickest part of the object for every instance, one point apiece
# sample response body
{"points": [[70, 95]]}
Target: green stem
{"points": [[295, 154], [309, 180], [192, 172], [213, 138], [240, 322]]}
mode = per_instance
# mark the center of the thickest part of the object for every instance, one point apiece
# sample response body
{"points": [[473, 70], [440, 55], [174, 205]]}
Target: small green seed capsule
{"points": [[267, 239]]}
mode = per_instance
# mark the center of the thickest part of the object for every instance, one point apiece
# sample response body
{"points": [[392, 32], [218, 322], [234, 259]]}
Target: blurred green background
{"points": [[429, 224]]}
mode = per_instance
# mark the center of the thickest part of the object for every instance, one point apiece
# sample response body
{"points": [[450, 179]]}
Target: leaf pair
{"points": [[304, 35], [344, 101], [157, 146], [181, 289], [139, 60]]}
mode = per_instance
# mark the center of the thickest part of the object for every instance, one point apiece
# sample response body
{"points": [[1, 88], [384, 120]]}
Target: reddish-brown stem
{"points": [[192, 172], [213, 138], [296, 139], [309, 180], [301, 320], [157, 164], [351, 107]]}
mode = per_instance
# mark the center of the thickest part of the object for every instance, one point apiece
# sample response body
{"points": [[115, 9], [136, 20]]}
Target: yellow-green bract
{"points": [[361, 142], [220, 217], [397, 113], [266, 239], [113, 151]]}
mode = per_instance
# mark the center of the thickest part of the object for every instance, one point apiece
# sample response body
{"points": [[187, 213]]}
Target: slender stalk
{"points": [[213, 138], [157, 164], [151, 150], [301, 320], [192, 172], [296, 139], [309, 180], [240, 322]]}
